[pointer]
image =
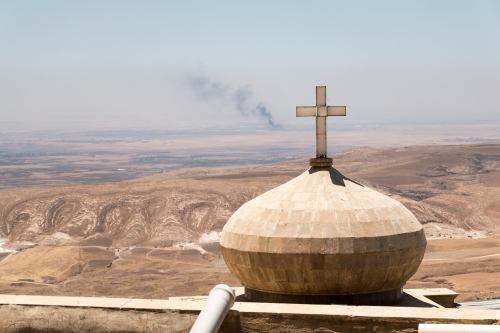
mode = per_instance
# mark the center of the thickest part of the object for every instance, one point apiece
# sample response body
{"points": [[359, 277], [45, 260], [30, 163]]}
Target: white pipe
{"points": [[220, 300], [457, 328]]}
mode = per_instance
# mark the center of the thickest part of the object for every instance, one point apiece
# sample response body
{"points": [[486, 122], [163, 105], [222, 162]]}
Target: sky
{"points": [[121, 64]]}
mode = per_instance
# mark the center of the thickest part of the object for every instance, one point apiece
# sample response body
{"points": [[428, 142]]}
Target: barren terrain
{"points": [[61, 158], [157, 236]]}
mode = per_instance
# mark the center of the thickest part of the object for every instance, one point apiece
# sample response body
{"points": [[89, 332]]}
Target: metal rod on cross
{"points": [[320, 111]]}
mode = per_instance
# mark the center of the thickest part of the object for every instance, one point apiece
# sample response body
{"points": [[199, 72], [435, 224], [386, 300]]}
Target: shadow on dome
{"points": [[335, 175]]}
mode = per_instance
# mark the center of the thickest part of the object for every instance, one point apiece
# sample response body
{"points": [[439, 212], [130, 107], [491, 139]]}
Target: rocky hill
{"points": [[451, 189], [157, 236]]}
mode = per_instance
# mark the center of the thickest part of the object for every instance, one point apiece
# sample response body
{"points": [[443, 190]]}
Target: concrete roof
{"points": [[195, 304]]}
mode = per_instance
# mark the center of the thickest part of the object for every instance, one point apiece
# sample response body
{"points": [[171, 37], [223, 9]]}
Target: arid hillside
{"points": [[453, 190], [157, 236]]}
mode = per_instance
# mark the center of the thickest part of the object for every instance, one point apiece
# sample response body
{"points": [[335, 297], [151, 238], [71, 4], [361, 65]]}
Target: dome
{"points": [[322, 237], [322, 233]]}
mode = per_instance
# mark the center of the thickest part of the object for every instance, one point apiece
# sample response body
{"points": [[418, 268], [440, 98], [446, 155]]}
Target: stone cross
{"points": [[320, 111]]}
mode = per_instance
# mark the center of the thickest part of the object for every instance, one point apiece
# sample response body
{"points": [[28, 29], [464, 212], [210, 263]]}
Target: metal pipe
{"points": [[457, 328], [220, 300]]}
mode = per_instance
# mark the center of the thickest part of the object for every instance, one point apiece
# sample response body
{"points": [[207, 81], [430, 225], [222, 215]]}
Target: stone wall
{"points": [[56, 319]]}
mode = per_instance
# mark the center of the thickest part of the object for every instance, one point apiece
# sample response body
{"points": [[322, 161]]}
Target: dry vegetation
{"points": [[154, 236]]}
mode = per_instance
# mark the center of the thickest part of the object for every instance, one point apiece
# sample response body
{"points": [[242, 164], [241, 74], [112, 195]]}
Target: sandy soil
{"points": [[142, 238]]}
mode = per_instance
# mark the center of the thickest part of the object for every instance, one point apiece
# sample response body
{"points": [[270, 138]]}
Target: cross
{"points": [[320, 111]]}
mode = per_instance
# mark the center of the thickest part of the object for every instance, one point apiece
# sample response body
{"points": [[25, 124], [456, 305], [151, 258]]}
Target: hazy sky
{"points": [[188, 64]]}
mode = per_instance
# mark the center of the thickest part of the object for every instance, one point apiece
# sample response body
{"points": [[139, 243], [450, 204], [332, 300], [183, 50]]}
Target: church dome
{"points": [[322, 237], [323, 234]]}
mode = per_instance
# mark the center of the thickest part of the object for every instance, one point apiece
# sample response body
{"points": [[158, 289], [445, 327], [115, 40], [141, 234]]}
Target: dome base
{"points": [[321, 162], [380, 298]]}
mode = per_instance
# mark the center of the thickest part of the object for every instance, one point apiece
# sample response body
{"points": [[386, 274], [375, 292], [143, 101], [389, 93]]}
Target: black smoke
{"points": [[242, 99]]}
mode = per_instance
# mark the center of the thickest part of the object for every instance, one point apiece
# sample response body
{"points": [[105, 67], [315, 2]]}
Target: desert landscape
{"points": [[157, 236], [246, 166]]}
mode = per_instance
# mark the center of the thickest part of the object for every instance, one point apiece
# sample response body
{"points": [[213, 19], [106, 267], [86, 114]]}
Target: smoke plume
{"points": [[242, 99]]}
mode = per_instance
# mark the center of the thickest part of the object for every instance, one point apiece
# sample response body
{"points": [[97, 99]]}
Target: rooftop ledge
{"points": [[418, 306]]}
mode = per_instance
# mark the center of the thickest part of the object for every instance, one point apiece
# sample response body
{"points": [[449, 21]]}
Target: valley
{"points": [[157, 236]]}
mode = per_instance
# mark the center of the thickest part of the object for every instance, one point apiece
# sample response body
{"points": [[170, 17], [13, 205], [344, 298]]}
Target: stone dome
{"points": [[323, 234]]}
